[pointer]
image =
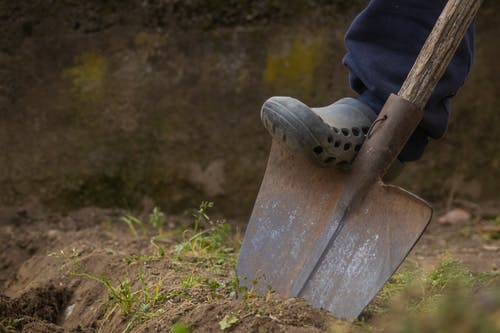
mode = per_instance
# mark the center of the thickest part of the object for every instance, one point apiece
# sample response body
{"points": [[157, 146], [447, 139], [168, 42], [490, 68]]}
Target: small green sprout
{"points": [[228, 321]]}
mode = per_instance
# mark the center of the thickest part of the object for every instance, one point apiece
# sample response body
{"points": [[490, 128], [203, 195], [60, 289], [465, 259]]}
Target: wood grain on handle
{"points": [[438, 50]]}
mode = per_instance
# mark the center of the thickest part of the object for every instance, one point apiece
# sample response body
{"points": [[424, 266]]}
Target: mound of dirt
{"points": [[60, 272], [89, 271]]}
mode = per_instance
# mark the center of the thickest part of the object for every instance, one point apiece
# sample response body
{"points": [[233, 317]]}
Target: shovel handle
{"points": [[438, 50]]}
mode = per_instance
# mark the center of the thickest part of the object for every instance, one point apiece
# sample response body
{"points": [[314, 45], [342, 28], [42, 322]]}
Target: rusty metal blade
{"points": [[292, 209], [296, 206], [374, 240]]}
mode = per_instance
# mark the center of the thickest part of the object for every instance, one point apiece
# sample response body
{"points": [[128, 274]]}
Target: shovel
{"points": [[335, 237]]}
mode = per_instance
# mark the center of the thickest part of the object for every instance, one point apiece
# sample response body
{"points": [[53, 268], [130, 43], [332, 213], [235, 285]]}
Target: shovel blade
{"points": [[295, 205]]}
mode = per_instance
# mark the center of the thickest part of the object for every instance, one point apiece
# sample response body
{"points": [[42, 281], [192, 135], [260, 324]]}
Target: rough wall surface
{"points": [[107, 102]]}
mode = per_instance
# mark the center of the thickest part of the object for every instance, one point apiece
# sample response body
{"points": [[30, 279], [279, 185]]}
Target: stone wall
{"points": [[108, 102]]}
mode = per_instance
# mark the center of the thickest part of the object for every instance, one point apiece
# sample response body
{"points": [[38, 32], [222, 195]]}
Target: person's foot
{"points": [[331, 135]]}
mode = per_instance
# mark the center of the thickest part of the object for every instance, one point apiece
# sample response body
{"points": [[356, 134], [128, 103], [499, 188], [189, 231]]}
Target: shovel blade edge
{"points": [[294, 206]]}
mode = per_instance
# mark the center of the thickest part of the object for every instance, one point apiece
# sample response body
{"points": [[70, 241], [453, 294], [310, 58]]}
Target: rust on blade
{"points": [[294, 205]]}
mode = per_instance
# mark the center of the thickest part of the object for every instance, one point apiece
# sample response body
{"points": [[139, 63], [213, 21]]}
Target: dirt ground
{"points": [[54, 268]]}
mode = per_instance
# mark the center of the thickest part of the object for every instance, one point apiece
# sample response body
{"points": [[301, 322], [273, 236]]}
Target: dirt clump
{"points": [[259, 315], [37, 310]]}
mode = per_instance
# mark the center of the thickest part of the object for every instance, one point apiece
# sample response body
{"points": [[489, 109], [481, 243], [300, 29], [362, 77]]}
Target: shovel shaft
{"points": [[438, 50]]}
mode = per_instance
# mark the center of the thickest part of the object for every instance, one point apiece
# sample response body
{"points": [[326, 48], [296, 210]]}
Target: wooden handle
{"points": [[438, 50]]}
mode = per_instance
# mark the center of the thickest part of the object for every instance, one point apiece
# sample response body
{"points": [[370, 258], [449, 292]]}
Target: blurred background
{"points": [[113, 103]]}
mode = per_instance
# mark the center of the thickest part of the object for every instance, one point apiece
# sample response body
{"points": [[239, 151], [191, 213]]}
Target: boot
{"points": [[330, 135]]}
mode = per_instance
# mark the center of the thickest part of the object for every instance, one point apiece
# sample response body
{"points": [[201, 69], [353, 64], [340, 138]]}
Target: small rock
{"points": [[490, 247], [69, 311], [52, 234], [454, 216]]}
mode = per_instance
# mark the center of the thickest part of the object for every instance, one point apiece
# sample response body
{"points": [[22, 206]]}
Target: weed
{"points": [[71, 261], [10, 324], [235, 289], [407, 280], [157, 220], [441, 301], [180, 327], [143, 313], [145, 258], [139, 258], [200, 215], [136, 304], [159, 248], [228, 321], [176, 295], [449, 274], [495, 220], [120, 296], [208, 239], [454, 311], [151, 296], [131, 221], [191, 281], [212, 284]]}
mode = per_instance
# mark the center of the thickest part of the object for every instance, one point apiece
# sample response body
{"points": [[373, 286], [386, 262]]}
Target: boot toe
{"points": [[330, 135]]}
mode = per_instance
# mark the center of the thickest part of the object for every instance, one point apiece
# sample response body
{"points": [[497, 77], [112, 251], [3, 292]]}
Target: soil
{"points": [[39, 293]]}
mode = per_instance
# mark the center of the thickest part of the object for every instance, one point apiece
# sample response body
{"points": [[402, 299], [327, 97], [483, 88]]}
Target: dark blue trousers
{"points": [[383, 42]]}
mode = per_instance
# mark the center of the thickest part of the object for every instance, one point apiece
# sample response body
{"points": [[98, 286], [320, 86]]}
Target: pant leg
{"points": [[383, 42]]}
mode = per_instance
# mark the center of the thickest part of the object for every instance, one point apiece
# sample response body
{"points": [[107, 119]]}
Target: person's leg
{"points": [[383, 42]]}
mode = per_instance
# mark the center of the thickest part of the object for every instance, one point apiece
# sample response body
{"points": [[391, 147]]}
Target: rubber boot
{"points": [[330, 135]]}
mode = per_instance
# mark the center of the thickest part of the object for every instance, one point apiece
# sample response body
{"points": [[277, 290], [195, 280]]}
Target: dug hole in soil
{"points": [[54, 268]]}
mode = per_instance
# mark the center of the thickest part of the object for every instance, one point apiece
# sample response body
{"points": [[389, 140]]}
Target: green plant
{"points": [[449, 274], [180, 327], [235, 289], [157, 220], [145, 258], [10, 324], [228, 321], [136, 304], [441, 301], [131, 221], [71, 261], [191, 281], [208, 239], [495, 220], [120, 296], [151, 296], [409, 277], [200, 214]]}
